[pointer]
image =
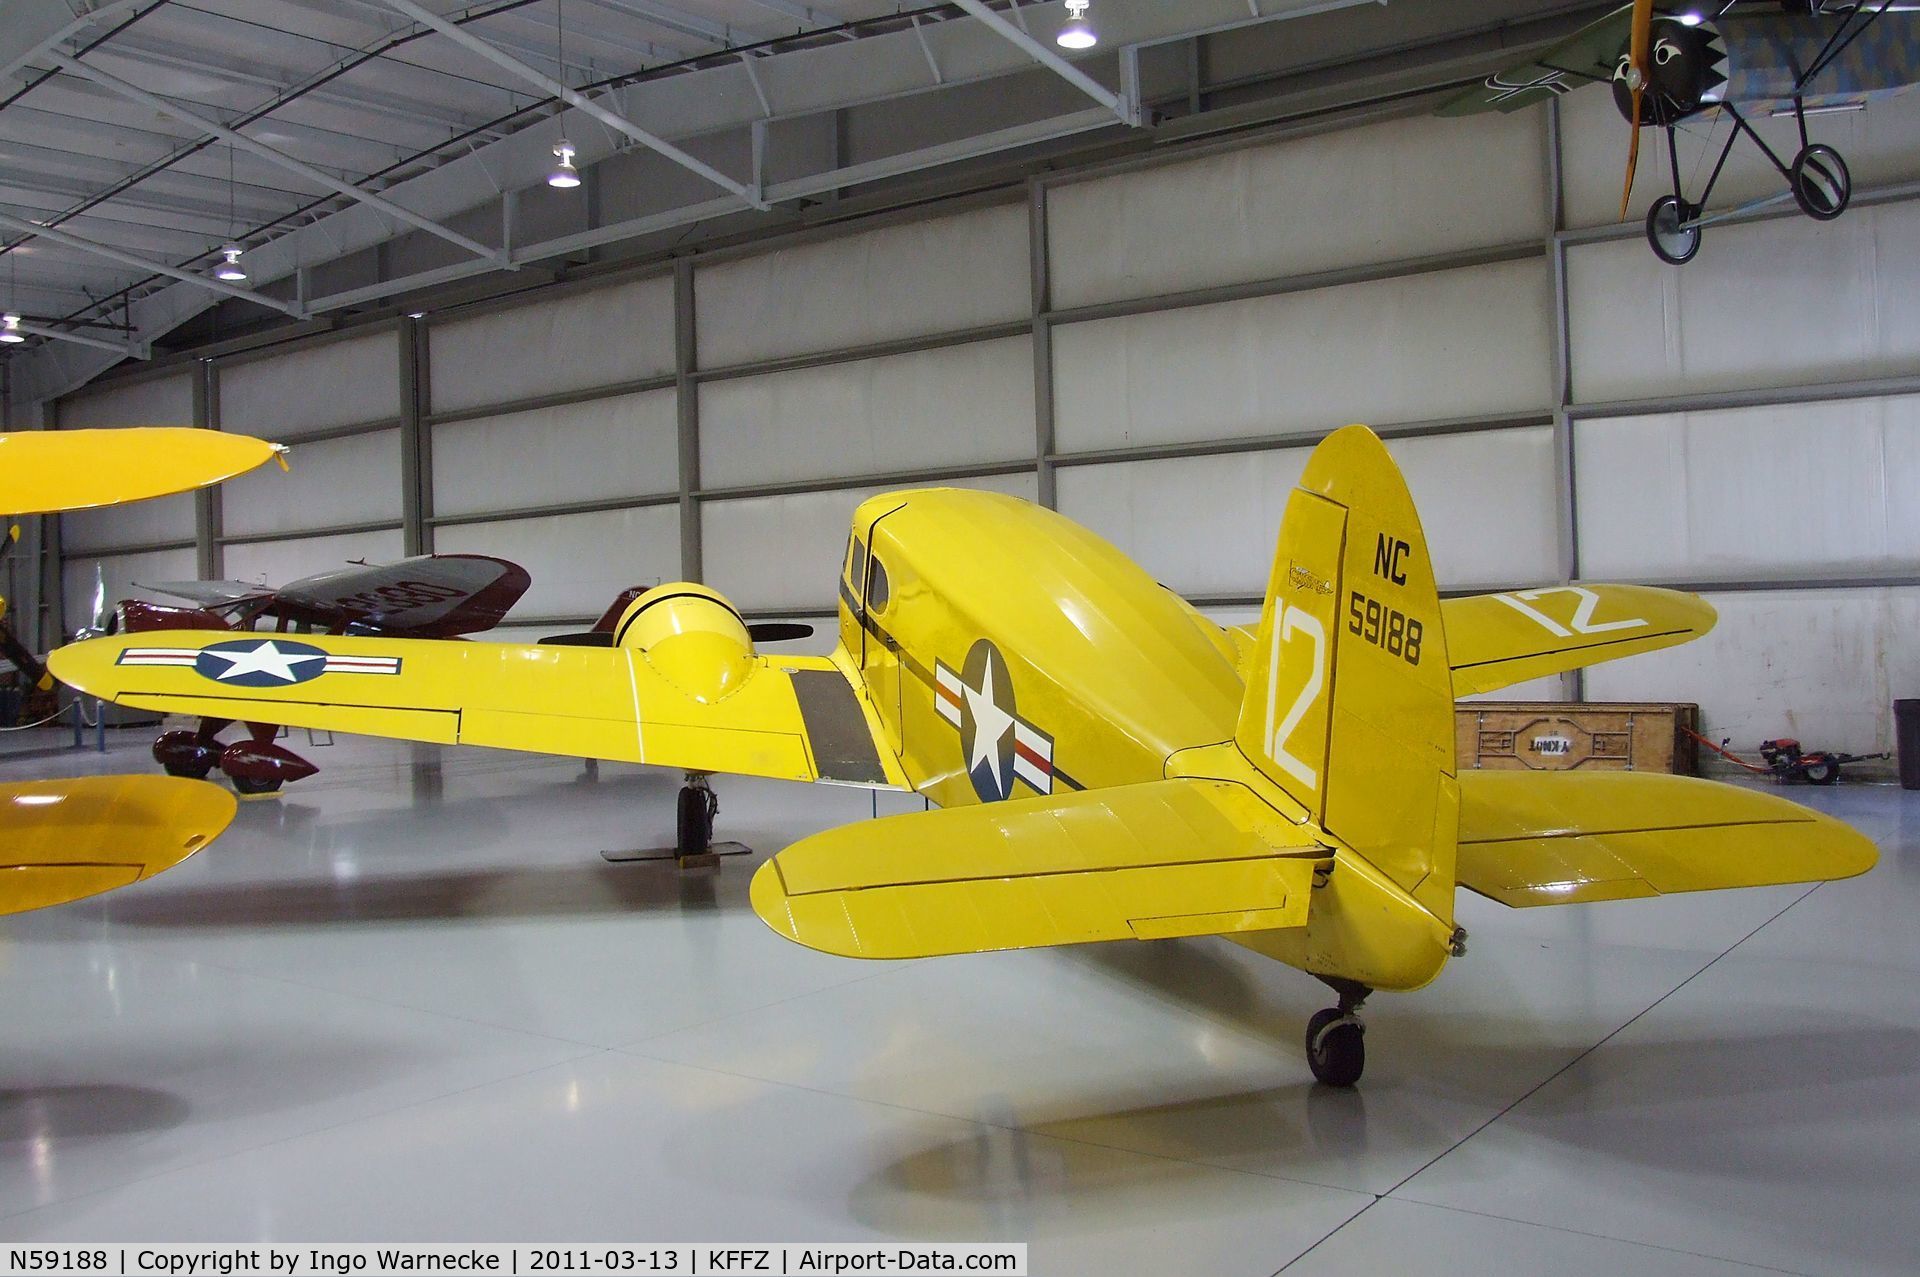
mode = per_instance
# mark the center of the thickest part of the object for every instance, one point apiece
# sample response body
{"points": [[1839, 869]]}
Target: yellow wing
{"points": [[45, 471], [791, 718], [65, 839], [1139, 862], [1552, 838], [1497, 640]]}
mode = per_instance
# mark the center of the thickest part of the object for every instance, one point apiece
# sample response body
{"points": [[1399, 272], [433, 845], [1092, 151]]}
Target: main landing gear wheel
{"points": [[1822, 186], [1674, 242], [248, 785], [698, 806], [192, 771]]}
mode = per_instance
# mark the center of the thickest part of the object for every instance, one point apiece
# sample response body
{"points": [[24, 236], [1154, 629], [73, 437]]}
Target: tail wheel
{"points": [[1824, 772], [1673, 241], [1822, 185], [1336, 1047]]}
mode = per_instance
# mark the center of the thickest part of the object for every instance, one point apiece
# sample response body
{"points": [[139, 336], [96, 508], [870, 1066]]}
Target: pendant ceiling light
{"points": [[1078, 33]]}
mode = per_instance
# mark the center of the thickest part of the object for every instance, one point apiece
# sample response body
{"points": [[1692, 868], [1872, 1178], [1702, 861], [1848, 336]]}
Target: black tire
{"points": [[1822, 773], [695, 823], [1336, 1048], [246, 785], [1672, 245], [192, 771], [1822, 185]]}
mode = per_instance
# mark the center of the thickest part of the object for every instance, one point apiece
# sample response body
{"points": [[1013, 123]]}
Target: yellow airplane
{"points": [[1110, 764], [62, 840]]}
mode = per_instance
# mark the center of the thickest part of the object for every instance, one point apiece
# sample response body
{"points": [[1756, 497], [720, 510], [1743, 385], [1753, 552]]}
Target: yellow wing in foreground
{"points": [[1554, 838], [790, 718], [1497, 640], [43, 471], [61, 840], [1138, 862]]}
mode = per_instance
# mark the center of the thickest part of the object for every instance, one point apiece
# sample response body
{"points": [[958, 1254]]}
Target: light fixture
{"points": [[1078, 33], [229, 268], [416, 314], [10, 330], [564, 174], [1691, 19]]}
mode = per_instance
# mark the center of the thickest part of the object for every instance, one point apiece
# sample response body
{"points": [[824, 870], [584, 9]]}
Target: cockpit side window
{"points": [[878, 588], [857, 566]]}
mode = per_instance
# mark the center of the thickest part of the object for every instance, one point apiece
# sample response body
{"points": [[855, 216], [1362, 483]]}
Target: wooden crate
{"points": [[1561, 736]]}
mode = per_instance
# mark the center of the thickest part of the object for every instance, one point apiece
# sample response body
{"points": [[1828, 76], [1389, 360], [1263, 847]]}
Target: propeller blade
{"points": [[97, 623], [778, 631], [1640, 58], [31, 670]]}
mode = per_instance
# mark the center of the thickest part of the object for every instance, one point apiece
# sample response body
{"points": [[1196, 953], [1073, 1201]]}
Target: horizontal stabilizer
{"points": [[1497, 640], [62, 840], [1138, 862], [1554, 838]]}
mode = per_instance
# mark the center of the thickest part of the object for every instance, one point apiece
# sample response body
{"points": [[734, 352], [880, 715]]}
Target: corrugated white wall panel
{"points": [[1877, 144], [332, 482], [1820, 665], [913, 280], [1776, 303], [162, 401], [1208, 525], [785, 552], [1808, 489], [144, 522], [1450, 344], [337, 383], [597, 338], [278, 562], [626, 446], [578, 562], [121, 571], [1385, 192], [956, 406]]}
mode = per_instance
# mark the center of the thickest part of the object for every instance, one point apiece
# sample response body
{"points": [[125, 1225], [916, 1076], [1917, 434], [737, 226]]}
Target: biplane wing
{"points": [[1138, 862], [68, 839], [1497, 640], [790, 718], [1587, 57], [46, 471], [209, 593], [1554, 838]]}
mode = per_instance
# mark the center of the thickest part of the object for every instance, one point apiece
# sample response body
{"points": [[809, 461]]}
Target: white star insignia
{"points": [[265, 659], [990, 726]]}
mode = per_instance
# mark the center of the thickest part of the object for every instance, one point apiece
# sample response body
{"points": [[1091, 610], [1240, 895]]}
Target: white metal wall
{"points": [[1154, 347]]}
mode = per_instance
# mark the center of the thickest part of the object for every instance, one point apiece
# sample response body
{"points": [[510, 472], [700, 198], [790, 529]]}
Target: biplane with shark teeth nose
{"points": [[1669, 65], [1108, 763]]}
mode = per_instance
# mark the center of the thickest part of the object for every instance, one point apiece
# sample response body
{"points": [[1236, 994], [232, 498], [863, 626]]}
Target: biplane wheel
{"points": [[1673, 242], [1336, 1047], [248, 785], [1822, 773], [695, 824], [1822, 185], [192, 771]]}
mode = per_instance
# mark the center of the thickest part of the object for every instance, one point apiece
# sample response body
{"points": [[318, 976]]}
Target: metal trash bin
{"points": [[1906, 734]]}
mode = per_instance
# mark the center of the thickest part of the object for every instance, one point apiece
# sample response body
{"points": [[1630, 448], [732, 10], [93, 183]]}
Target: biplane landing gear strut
{"points": [[1336, 1039], [697, 807]]}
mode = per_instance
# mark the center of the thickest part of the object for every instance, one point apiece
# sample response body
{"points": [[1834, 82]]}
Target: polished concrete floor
{"points": [[407, 1000]]}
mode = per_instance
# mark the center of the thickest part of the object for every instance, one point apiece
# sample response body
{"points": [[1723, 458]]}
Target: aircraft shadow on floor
{"points": [[86, 1110]]}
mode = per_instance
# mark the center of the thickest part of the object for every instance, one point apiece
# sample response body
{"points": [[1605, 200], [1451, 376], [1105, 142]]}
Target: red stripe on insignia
{"points": [[1044, 764], [948, 694]]}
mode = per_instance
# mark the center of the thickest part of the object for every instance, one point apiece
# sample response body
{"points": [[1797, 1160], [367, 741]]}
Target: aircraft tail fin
{"points": [[1349, 702]]}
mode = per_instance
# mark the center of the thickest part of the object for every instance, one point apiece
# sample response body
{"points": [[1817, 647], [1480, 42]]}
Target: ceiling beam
{"points": [[134, 93], [147, 265], [579, 101], [1126, 108], [132, 350]]}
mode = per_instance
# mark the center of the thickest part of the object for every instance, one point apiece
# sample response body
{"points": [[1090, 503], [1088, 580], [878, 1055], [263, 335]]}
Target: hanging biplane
{"points": [[1672, 64], [426, 596], [1112, 765], [62, 840]]}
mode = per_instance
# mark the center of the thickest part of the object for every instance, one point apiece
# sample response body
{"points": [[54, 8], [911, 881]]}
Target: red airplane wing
{"points": [[429, 596]]}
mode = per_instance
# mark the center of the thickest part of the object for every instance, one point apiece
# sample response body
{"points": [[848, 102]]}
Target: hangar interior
{"points": [[406, 999]]}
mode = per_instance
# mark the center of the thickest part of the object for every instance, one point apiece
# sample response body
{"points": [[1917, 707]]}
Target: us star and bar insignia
{"points": [[274, 662], [997, 745]]}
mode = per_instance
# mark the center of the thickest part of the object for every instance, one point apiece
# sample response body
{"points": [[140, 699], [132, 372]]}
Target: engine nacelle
{"points": [[692, 637]]}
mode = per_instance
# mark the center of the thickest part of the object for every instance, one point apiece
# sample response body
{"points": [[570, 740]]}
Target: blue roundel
{"points": [[268, 661]]}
